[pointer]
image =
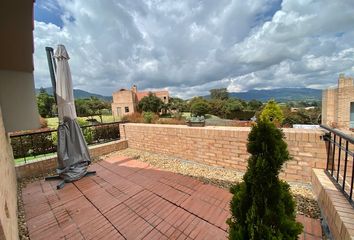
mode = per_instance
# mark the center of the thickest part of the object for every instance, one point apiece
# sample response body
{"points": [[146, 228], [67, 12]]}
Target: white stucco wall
{"points": [[17, 101]]}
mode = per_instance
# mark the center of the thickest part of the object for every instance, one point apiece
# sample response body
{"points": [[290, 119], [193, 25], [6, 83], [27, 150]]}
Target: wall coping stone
{"points": [[338, 212]]}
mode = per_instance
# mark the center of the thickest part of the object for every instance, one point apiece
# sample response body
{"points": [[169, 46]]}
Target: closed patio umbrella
{"points": [[72, 150]]}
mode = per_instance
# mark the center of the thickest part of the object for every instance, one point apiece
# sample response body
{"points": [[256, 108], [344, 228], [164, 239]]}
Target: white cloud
{"points": [[192, 46]]}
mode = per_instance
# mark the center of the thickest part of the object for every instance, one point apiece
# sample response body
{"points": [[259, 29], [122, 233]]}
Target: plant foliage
{"points": [[262, 206], [199, 107], [272, 112], [150, 103], [45, 103]]}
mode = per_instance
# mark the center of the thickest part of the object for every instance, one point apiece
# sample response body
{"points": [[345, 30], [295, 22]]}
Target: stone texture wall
{"points": [[8, 189], [226, 146], [50, 164]]}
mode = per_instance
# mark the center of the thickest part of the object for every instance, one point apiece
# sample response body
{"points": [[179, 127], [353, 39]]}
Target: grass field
{"points": [[19, 161], [54, 122]]}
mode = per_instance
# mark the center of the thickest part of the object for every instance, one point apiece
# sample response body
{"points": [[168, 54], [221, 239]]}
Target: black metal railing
{"points": [[35, 145], [340, 160]]}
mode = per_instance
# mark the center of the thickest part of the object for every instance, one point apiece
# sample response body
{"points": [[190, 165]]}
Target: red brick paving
{"points": [[128, 199]]}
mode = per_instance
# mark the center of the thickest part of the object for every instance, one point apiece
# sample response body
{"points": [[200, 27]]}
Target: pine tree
{"points": [[262, 206]]}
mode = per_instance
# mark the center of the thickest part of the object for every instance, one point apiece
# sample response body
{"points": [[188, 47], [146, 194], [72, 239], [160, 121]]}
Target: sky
{"points": [[191, 46]]}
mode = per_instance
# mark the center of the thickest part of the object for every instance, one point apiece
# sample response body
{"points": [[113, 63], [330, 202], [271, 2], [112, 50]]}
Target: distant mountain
{"points": [[280, 94], [78, 94]]}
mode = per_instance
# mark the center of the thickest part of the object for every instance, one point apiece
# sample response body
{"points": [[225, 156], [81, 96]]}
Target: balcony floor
{"points": [[129, 199]]}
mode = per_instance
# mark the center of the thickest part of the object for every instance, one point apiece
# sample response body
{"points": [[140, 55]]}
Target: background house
{"points": [[126, 101], [338, 104]]}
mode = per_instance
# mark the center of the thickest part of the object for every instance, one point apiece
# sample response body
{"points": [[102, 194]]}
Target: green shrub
{"points": [[31, 145], [272, 112], [106, 132], [82, 122], [262, 206], [148, 117], [88, 135]]}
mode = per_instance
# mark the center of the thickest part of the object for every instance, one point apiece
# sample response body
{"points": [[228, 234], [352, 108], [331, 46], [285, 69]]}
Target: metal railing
{"points": [[36, 145], [340, 160]]}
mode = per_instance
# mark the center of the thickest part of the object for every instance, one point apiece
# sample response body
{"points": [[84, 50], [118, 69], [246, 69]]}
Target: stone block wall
{"points": [[8, 189], [44, 166], [226, 146]]}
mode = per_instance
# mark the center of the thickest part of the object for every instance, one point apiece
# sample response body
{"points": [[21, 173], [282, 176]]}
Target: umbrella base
{"points": [[61, 184]]}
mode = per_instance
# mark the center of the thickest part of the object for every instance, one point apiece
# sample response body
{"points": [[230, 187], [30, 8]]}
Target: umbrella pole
{"points": [[52, 66]]}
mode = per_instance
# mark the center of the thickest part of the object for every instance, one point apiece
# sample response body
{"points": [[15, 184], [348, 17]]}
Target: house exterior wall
{"points": [[17, 95], [163, 95], [336, 103], [122, 99], [17, 100], [226, 146], [8, 189]]}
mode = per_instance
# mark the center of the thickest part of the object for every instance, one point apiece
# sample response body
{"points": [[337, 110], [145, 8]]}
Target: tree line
{"points": [[84, 107], [218, 103]]}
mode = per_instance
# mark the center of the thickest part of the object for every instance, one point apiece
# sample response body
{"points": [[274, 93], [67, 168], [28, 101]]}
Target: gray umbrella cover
{"points": [[72, 150]]}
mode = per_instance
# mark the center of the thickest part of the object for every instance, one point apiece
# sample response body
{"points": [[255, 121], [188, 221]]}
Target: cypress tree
{"points": [[262, 206]]}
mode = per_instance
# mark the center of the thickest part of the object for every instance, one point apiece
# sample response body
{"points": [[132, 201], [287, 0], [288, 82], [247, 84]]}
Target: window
{"points": [[126, 109], [164, 97]]}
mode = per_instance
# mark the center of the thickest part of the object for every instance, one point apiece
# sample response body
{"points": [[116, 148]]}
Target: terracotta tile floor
{"points": [[129, 199]]}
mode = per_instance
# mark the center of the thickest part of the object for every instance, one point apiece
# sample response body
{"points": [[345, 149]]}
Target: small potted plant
{"points": [[196, 121]]}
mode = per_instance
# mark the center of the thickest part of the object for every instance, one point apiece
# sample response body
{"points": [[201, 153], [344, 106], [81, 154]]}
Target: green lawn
{"points": [[19, 161], [54, 122]]}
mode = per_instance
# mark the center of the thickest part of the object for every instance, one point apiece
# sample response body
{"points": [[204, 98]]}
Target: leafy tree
{"points": [[272, 112], [178, 104], [262, 206], [150, 103], [302, 116], [96, 105], [231, 106], [254, 105], [82, 108], [90, 106], [45, 103], [217, 107], [219, 93], [199, 107]]}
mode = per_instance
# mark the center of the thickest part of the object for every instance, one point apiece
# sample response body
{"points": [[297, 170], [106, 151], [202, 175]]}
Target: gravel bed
{"points": [[306, 203]]}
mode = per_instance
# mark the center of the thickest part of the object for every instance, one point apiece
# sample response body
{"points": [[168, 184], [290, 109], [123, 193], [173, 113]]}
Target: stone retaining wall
{"points": [[44, 166], [226, 146]]}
